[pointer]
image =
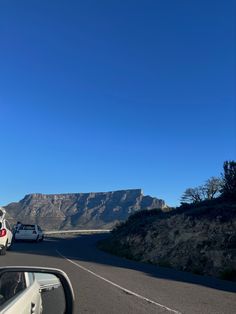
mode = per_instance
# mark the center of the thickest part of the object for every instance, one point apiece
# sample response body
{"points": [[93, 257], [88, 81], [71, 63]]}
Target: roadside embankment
{"points": [[199, 238]]}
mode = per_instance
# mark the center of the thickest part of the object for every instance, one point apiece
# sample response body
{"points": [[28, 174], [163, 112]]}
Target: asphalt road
{"points": [[53, 301], [108, 284]]}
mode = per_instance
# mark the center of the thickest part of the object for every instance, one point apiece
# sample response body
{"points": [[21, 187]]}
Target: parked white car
{"points": [[29, 232], [5, 233]]}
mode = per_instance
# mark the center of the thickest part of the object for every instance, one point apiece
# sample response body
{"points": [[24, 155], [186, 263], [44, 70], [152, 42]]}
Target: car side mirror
{"points": [[35, 290]]}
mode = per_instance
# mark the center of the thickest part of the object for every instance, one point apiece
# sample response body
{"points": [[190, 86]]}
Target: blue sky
{"points": [[107, 95]]}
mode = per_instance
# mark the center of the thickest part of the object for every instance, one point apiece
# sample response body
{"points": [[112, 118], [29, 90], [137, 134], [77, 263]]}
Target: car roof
{"points": [[28, 225]]}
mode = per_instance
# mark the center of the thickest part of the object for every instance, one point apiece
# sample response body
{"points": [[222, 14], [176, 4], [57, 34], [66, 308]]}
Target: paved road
{"points": [[107, 284], [53, 301]]}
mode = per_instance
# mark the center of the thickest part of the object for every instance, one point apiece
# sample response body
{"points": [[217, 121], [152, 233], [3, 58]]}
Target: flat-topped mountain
{"points": [[81, 210]]}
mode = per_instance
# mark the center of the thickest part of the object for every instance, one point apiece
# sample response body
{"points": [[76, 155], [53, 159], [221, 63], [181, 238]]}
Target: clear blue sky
{"points": [[106, 95]]}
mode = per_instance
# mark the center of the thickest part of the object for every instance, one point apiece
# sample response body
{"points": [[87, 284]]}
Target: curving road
{"points": [[108, 284]]}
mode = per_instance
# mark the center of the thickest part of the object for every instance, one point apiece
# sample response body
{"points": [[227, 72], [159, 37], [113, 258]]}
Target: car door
{"points": [[40, 232], [21, 233], [27, 301]]}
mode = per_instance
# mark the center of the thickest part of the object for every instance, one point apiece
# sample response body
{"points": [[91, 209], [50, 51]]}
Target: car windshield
{"points": [[27, 227]]}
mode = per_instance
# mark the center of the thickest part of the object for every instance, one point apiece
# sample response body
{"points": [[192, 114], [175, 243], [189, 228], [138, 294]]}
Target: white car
{"points": [[22, 295], [5, 233], [25, 290], [29, 232]]}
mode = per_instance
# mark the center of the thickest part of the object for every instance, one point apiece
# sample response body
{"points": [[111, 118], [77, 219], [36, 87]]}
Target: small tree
{"points": [[229, 179], [212, 188], [192, 195], [208, 191]]}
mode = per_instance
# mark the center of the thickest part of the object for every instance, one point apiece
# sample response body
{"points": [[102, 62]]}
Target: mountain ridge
{"points": [[81, 210]]}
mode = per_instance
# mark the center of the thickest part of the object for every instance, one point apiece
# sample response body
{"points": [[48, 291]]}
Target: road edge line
{"points": [[118, 286]]}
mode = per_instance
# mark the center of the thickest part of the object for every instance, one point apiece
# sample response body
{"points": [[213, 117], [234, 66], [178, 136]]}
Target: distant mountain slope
{"points": [[81, 210]]}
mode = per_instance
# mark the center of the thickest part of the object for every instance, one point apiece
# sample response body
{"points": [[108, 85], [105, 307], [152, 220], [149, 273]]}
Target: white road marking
{"points": [[119, 287]]}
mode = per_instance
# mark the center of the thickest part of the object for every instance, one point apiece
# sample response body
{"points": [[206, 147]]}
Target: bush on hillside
{"points": [[229, 180]]}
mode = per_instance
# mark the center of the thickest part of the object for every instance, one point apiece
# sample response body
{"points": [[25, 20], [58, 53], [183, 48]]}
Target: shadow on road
{"points": [[83, 248]]}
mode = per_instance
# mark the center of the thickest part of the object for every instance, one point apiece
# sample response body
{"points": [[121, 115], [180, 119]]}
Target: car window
{"points": [[11, 284], [0, 225], [39, 228], [27, 227]]}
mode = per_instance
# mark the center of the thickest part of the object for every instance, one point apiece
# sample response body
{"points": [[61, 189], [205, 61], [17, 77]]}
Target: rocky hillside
{"points": [[200, 239], [81, 210]]}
